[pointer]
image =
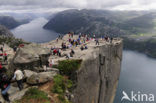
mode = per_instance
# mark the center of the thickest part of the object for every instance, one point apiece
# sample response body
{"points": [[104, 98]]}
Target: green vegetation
{"points": [[147, 46], [67, 67], [60, 85], [65, 81], [11, 41], [34, 94]]}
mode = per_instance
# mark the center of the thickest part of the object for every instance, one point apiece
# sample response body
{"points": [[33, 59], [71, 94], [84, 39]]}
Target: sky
{"points": [[59, 5]]}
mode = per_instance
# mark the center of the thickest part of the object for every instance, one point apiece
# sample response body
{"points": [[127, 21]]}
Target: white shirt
{"points": [[18, 75]]}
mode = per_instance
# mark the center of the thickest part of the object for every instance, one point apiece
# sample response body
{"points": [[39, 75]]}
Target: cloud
{"points": [[34, 5]]}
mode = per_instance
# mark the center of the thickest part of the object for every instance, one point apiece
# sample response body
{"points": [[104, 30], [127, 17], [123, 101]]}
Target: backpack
{"points": [[4, 81]]}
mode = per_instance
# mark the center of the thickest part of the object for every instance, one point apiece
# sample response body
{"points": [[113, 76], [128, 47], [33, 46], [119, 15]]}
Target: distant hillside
{"points": [[102, 22], [4, 31], [140, 24], [10, 22], [82, 21]]}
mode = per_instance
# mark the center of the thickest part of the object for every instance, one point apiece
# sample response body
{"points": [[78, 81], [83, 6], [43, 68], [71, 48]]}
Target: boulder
{"points": [[28, 73], [31, 56], [40, 78], [53, 69]]}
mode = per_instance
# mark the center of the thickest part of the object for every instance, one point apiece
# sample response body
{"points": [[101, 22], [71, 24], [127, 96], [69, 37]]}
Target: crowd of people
{"points": [[81, 40]]}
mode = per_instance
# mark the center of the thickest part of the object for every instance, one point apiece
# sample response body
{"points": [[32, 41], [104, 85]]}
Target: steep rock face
{"points": [[4, 31], [98, 76]]}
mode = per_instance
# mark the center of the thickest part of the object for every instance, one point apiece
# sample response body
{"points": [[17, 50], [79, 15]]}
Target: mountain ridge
{"points": [[102, 22]]}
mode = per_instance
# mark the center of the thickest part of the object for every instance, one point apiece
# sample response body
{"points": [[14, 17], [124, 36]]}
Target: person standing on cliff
{"points": [[18, 75], [97, 41]]}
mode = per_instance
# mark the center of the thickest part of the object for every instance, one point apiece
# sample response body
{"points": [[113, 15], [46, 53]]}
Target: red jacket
{"points": [[5, 54], [0, 66]]}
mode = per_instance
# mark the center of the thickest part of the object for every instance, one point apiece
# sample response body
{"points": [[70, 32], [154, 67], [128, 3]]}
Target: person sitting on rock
{"points": [[64, 46], [82, 48], [54, 51], [86, 47], [18, 75], [5, 82], [70, 45]]}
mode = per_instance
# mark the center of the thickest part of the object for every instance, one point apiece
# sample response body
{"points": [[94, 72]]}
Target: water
{"points": [[138, 74], [34, 32]]}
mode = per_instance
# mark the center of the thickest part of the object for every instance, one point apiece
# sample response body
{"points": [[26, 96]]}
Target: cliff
{"points": [[94, 81], [98, 76]]}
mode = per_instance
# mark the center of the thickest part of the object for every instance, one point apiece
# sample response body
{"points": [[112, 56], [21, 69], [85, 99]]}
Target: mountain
{"points": [[141, 24], [10, 22], [102, 22], [82, 21], [4, 31]]}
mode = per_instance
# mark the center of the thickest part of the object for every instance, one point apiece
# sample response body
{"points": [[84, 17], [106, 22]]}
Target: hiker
{"points": [[18, 75], [64, 46], [51, 62], [4, 84], [94, 36], [106, 38], [59, 52], [111, 39], [54, 51], [86, 47], [59, 36], [15, 48], [69, 40], [82, 48], [97, 41]]}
